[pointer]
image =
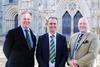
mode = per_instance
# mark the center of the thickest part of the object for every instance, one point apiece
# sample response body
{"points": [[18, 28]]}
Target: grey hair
{"points": [[52, 18]]}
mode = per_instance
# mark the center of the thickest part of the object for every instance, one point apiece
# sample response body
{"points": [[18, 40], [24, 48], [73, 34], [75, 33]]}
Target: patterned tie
{"points": [[52, 50], [74, 49], [28, 39]]}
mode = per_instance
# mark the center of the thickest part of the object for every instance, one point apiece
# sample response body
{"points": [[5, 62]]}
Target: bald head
{"points": [[83, 24]]}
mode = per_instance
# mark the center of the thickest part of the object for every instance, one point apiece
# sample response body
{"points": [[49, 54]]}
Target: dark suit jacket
{"points": [[42, 52], [16, 49]]}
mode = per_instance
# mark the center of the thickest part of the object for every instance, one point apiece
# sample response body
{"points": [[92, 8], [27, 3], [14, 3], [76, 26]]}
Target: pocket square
{"points": [[86, 41]]}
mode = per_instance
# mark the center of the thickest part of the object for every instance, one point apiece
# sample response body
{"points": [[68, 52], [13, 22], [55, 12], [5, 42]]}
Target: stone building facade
{"points": [[68, 13]]}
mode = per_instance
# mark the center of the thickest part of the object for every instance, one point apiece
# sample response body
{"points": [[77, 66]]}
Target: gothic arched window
{"points": [[12, 1], [66, 25], [77, 16]]}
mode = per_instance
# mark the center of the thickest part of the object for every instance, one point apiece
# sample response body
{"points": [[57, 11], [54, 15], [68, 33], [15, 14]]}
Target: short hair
{"points": [[52, 18], [24, 12]]}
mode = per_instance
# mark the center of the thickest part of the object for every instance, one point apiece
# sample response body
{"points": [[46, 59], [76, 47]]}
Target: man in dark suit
{"points": [[52, 48], [20, 43]]}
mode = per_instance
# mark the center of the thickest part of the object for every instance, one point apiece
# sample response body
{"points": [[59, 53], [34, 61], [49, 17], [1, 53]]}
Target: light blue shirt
{"points": [[74, 50], [73, 53], [50, 64], [29, 35]]}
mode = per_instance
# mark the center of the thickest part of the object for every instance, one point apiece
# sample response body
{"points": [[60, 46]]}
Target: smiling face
{"points": [[83, 25], [52, 25], [26, 20]]}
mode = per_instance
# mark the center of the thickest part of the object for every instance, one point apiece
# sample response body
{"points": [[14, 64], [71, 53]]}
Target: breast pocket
{"points": [[85, 45]]}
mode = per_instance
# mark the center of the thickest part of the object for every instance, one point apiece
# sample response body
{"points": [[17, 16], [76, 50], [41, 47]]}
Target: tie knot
{"points": [[26, 30], [52, 36]]}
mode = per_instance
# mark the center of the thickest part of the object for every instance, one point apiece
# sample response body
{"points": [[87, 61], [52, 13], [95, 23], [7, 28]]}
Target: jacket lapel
{"points": [[74, 40], [57, 45], [83, 38], [57, 42], [22, 34], [23, 37], [46, 40]]}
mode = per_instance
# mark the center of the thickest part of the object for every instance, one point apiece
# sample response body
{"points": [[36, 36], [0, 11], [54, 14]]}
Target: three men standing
{"points": [[52, 51]]}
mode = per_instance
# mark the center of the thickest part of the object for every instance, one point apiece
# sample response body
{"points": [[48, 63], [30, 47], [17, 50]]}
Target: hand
{"points": [[73, 63]]}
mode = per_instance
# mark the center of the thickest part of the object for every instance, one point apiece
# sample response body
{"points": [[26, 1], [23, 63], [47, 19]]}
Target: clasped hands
{"points": [[73, 63]]}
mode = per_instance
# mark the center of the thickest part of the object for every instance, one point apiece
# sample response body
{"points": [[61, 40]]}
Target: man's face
{"points": [[26, 20], [82, 25], [52, 25]]}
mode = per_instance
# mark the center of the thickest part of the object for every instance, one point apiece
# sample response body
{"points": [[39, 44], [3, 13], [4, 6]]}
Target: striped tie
{"points": [[52, 50], [28, 39]]}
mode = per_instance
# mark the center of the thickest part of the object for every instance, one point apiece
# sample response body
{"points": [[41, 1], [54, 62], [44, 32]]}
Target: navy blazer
{"points": [[42, 52], [16, 49]]}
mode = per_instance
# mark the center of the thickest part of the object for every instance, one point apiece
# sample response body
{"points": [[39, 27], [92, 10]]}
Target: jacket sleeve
{"points": [[8, 44]]}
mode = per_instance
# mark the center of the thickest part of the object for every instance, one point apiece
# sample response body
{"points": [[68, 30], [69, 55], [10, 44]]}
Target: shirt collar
{"points": [[82, 32], [24, 28], [51, 34]]}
